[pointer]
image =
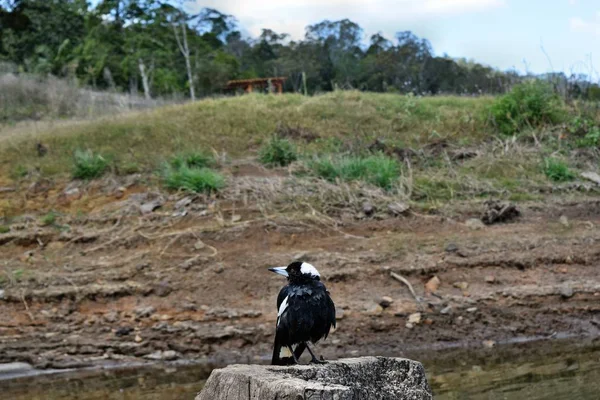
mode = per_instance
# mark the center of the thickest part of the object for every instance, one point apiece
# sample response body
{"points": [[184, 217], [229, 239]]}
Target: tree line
{"points": [[157, 48]]}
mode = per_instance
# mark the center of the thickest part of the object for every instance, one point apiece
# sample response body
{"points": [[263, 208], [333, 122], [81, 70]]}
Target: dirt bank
{"points": [[123, 271]]}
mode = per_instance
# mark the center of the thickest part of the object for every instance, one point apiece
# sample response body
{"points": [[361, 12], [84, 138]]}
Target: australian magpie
{"points": [[305, 313]]}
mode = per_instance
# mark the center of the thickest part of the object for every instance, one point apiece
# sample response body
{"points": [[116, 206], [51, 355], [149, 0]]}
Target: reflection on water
{"points": [[537, 371]]}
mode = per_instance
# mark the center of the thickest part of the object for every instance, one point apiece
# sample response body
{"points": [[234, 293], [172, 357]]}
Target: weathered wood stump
{"points": [[372, 378]]}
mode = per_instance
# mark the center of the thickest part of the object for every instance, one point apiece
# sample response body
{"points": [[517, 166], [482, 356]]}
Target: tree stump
{"points": [[366, 378]]}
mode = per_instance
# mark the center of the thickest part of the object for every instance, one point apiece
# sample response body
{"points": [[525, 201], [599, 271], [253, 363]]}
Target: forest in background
{"points": [[157, 49]]}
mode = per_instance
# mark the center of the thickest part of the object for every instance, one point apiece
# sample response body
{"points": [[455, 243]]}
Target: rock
{"points": [[349, 379], [432, 285], [451, 248], [488, 343], [472, 309], [124, 331], [461, 285], [138, 339], [386, 301], [160, 355], [186, 201], [499, 212], [7, 189], [490, 279], [409, 325], [150, 206], [591, 176], [398, 208], [566, 292], [120, 192], [474, 224], [144, 312], [236, 218], [375, 309], [162, 289], [69, 195], [111, 316], [564, 221], [414, 318], [446, 310], [368, 208], [339, 313]]}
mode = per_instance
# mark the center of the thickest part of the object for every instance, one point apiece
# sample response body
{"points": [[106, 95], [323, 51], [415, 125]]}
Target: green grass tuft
{"points": [[278, 152], [557, 170], [192, 160], [530, 104], [87, 165], [4, 229], [48, 219], [378, 170], [200, 180]]}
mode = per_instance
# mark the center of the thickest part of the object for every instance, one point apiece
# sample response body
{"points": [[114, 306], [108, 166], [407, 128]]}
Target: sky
{"points": [[506, 34]]}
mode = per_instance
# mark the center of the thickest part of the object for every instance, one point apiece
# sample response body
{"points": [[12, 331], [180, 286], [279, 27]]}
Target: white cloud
{"points": [[292, 16], [590, 27]]}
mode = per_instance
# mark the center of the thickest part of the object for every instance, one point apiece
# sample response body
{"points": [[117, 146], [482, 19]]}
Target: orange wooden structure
{"points": [[274, 84]]}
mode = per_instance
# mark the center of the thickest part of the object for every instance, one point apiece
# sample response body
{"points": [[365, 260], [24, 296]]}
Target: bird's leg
{"points": [[293, 355], [315, 360]]}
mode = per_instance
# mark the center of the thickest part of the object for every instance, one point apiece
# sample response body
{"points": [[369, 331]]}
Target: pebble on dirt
{"points": [[490, 279], [386, 301], [474, 224], [432, 285]]}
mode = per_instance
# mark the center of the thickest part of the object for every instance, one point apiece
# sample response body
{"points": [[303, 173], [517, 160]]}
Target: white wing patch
{"points": [[282, 308], [308, 269]]}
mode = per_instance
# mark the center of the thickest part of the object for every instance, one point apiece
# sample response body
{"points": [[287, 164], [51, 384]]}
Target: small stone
{"points": [[186, 201], [489, 343], [409, 325], [110, 317], [2, 294], [138, 339], [446, 310], [144, 312], [160, 355], [414, 318], [563, 270], [150, 206], [474, 224], [199, 245], [236, 218], [490, 279], [564, 221], [375, 310], [162, 289], [339, 313], [472, 309], [451, 248], [566, 292], [461, 285], [69, 195], [123, 331], [432, 285], [120, 192], [386, 301], [398, 208], [368, 208]]}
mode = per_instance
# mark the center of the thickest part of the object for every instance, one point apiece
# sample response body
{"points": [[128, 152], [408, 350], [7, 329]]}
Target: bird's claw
{"points": [[318, 362]]}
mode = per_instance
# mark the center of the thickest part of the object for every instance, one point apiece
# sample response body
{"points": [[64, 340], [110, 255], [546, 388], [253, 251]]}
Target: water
{"points": [[535, 371]]}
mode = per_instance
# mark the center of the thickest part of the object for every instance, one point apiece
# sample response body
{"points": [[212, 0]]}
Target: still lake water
{"points": [[536, 371]]}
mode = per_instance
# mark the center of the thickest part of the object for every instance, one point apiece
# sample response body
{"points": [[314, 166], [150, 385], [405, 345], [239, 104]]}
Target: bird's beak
{"points": [[280, 271]]}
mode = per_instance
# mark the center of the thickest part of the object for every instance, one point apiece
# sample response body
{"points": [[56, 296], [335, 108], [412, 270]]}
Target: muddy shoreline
{"points": [[187, 279]]}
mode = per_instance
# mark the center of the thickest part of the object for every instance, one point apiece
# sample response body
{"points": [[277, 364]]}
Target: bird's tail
{"points": [[282, 355]]}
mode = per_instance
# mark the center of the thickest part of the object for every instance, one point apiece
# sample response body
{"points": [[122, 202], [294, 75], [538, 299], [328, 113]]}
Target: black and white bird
{"points": [[305, 313]]}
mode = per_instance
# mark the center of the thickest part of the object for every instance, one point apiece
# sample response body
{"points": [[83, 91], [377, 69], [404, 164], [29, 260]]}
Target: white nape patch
{"points": [[308, 269], [282, 308]]}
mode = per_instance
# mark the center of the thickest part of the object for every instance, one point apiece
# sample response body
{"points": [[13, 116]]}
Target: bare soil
{"points": [[109, 280]]}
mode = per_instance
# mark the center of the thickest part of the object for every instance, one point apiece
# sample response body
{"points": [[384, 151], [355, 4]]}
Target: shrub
{"points": [[4, 229], [87, 165], [278, 152], [378, 170], [201, 180], [192, 160], [529, 104], [557, 170]]}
